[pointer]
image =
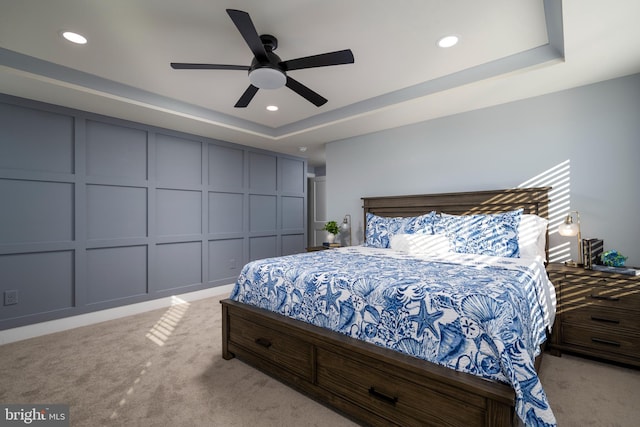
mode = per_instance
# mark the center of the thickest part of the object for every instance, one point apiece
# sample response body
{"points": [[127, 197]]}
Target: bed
{"points": [[412, 383]]}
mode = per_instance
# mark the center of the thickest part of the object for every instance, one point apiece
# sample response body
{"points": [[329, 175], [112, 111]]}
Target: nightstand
{"points": [[598, 314], [321, 248], [316, 248]]}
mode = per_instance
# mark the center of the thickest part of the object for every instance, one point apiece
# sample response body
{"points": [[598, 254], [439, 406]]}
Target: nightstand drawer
{"points": [[581, 291], [612, 319], [603, 340]]}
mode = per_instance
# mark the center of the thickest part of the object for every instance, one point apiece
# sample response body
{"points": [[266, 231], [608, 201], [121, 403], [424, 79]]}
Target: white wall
{"points": [[585, 142]]}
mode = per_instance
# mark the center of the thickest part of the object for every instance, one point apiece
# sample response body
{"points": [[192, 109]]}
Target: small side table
{"points": [[598, 314], [320, 248]]}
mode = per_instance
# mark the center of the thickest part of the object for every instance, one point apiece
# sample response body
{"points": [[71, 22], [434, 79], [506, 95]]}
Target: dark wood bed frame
{"points": [[370, 384]]}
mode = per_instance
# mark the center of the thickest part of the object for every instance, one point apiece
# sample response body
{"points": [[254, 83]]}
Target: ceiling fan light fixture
{"points": [[267, 78]]}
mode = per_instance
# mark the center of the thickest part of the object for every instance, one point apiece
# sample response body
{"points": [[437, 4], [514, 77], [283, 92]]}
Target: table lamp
{"points": [[569, 229]]}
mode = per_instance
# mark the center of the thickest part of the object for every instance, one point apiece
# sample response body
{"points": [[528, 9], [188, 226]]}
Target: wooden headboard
{"points": [[531, 200]]}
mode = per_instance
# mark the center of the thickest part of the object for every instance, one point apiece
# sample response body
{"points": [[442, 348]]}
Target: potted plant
{"points": [[332, 230]]}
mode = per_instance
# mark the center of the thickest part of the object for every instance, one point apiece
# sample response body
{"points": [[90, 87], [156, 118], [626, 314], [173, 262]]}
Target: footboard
{"points": [[370, 384]]}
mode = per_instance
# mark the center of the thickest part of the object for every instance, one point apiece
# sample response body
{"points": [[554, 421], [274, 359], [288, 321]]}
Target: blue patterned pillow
{"points": [[380, 228], [482, 234]]}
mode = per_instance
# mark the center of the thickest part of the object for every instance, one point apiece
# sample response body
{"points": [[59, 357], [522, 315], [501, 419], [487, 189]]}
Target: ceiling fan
{"points": [[267, 70]]}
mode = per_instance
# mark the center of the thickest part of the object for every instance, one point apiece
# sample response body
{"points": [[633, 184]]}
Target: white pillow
{"points": [[420, 243], [532, 235], [399, 242]]}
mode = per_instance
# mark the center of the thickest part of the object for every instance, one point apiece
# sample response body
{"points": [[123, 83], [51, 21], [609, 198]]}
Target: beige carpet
{"points": [[164, 368]]}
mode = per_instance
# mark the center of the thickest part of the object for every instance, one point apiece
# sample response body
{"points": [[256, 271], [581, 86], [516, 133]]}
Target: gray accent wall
{"points": [[585, 142], [97, 212]]}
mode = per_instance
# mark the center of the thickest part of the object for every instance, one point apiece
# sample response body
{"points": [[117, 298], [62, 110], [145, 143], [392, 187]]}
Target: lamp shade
{"points": [[346, 229], [568, 228]]}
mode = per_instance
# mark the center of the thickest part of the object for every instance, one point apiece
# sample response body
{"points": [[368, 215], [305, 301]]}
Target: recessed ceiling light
{"points": [[302, 149], [74, 37], [448, 41], [272, 107]]}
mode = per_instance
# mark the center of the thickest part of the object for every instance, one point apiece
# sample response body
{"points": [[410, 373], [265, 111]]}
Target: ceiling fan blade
{"points": [[246, 97], [305, 92], [249, 33], [188, 66], [322, 60]]}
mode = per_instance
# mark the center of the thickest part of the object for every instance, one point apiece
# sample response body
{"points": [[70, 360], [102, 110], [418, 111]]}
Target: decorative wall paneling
{"points": [[97, 212]]}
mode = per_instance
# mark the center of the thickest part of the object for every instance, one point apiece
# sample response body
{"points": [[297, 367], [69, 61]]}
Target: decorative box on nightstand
{"points": [[598, 314]]}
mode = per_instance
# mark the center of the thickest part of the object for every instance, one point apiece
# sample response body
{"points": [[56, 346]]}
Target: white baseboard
{"points": [[58, 325]]}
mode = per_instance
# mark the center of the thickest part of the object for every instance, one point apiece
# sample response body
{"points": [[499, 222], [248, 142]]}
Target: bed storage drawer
{"points": [[376, 386], [396, 399], [272, 345]]}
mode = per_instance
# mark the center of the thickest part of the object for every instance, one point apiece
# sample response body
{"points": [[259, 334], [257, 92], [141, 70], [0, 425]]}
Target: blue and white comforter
{"points": [[481, 315]]}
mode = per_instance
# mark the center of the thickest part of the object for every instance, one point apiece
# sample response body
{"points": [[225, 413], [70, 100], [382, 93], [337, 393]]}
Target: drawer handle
{"points": [[606, 298], [607, 342], [381, 396], [263, 342], [601, 319]]}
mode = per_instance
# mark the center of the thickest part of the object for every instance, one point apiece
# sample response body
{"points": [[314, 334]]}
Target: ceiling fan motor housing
{"points": [[270, 42]]}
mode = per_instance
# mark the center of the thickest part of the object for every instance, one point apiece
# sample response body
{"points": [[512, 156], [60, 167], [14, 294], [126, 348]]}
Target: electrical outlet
{"points": [[10, 297]]}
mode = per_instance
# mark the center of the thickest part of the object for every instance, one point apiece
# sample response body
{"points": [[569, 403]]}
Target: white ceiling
{"points": [[508, 50]]}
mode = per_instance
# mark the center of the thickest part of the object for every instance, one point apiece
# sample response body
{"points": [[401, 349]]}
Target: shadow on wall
{"points": [[559, 179]]}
